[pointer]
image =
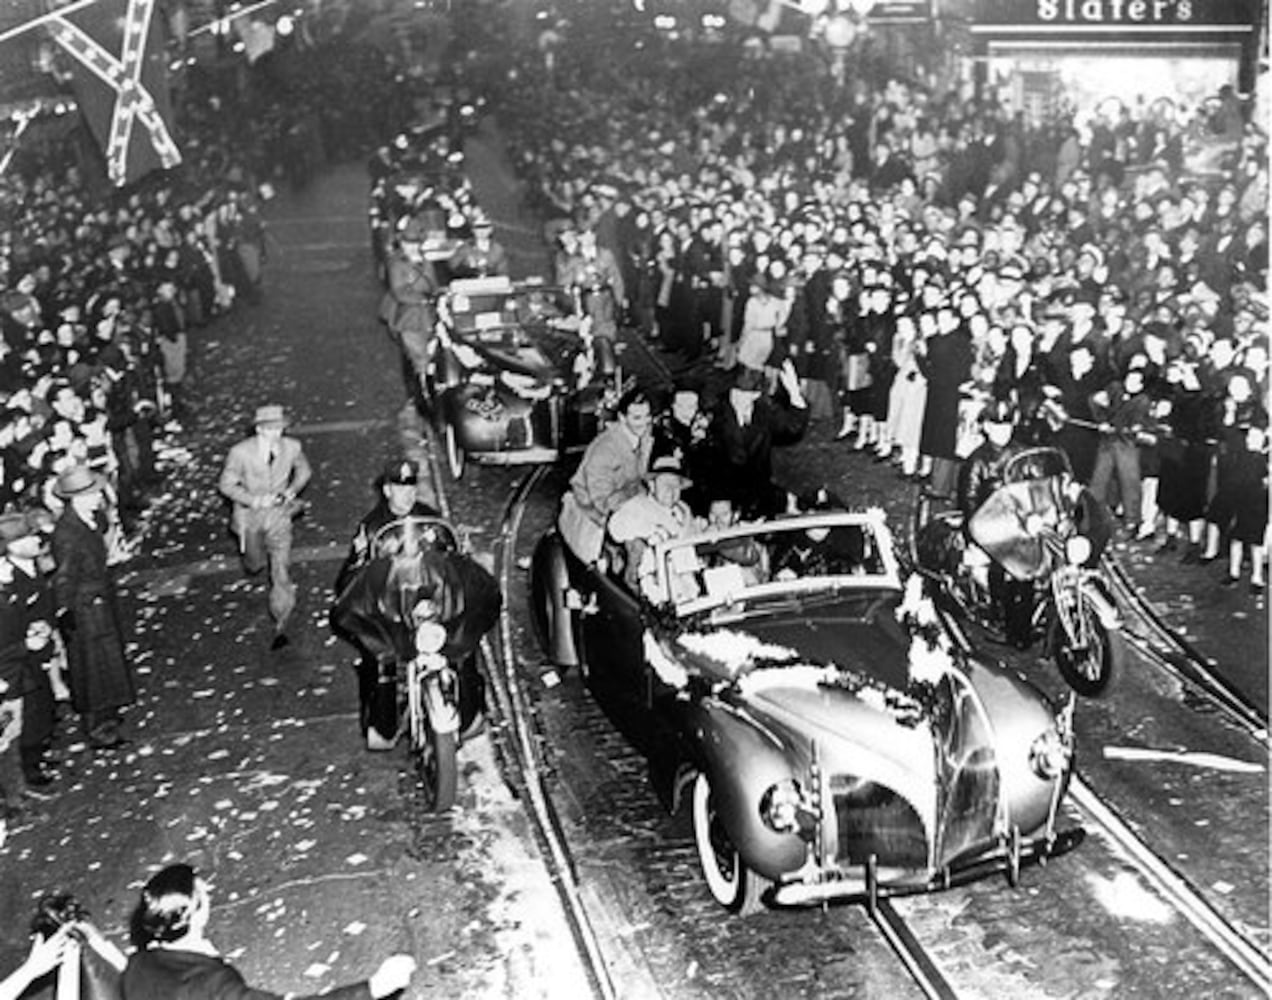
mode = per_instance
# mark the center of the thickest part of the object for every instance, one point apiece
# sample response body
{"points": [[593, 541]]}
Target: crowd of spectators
{"points": [[918, 254], [101, 293]]}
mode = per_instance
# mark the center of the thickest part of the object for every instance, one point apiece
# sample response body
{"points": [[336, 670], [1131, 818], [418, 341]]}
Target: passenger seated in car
{"points": [[652, 516], [745, 553], [829, 551]]}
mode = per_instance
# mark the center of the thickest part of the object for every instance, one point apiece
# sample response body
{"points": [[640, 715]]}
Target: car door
{"points": [[613, 634]]}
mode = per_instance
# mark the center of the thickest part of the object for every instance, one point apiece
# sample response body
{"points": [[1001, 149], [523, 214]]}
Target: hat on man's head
{"points": [[401, 472], [669, 463], [15, 525], [78, 480], [748, 379], [412, 230], [270, 415], [1092, 251], [998, 411]]}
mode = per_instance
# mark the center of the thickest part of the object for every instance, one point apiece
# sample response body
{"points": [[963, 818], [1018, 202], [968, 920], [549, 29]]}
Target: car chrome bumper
{"points": [[852, 886]]}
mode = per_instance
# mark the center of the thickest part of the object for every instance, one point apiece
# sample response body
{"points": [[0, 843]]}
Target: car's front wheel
{"points": [[733, 885]]}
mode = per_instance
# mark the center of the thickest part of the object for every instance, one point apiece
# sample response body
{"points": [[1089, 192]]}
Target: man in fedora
{"points": [[101, 678], [27, 644], [21, 696], [654, 515], [262, 477], [745, 428]]}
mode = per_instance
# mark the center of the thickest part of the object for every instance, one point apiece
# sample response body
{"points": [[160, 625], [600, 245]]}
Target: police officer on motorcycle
{"points": [[377, 680], [980, 475]]}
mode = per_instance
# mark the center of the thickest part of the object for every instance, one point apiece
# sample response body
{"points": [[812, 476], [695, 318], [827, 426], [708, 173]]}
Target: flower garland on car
{"points": [[932, 654]]}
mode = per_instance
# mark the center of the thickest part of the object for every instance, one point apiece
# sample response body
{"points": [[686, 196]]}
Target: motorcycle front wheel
{"points": [[435, 753], [1091, 666], [438, 769]]}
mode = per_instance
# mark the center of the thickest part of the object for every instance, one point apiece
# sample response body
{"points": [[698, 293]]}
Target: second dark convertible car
{"points": [[517, 378], [834, 734]]}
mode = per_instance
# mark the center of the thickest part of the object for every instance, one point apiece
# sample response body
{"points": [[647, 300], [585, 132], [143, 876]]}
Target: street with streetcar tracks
{"points": [[1167, 891], [561, 873]]}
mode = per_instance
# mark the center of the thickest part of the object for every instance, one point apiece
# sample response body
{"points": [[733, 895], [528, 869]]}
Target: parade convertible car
{"points": [[836, 736], [516, 376]]}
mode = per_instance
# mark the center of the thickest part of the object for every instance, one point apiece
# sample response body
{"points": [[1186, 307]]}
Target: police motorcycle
{"points": [[1045, 533], [423, 603]]}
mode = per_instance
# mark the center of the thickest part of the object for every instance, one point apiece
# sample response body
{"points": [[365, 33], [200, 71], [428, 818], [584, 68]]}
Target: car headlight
{"points": [[1077, 550], [782, 805], [429, 637], [1050, 754]]}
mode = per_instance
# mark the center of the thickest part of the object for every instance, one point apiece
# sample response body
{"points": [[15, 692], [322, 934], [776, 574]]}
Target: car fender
{"points": [[549, 583], [1018, 714], [743, 759]]}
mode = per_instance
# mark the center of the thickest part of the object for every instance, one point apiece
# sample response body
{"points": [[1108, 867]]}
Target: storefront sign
{"points": [[1115, 15], [885, 11]]}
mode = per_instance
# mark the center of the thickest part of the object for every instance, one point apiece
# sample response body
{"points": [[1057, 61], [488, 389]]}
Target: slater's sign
{"points": [[1117, 15], [900, 11]]}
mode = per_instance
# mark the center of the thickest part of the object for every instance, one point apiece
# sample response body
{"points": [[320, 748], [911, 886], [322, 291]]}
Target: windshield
{"points": [[410, 534], [492, 304], [1036, 463], [749, 565]]}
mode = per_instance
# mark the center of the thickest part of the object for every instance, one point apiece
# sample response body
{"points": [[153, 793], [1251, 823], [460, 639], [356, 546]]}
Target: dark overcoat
{"points": [[100, 676], [172, 974], [947, 365]]}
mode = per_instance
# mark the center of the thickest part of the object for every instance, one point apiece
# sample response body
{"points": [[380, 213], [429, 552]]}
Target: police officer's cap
{"points": [[401, 472], [998, 411]]}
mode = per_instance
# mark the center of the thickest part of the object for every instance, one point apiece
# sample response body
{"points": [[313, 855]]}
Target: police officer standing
{"points": [[377, 681], [408, 307]]}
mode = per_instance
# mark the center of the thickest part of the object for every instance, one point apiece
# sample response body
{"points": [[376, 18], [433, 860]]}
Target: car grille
{"points": [[518, 433], [872, 819], [970, 802]]}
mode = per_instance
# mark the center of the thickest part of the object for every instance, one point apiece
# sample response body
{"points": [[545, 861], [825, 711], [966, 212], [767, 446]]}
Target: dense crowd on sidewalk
{"points": [[919, 253], [100, 294]]}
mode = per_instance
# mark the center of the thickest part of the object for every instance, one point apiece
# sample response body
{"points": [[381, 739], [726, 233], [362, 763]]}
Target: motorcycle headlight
{"points": [[1049, 755], [429, 637], [782, 805], [1077, 550]]}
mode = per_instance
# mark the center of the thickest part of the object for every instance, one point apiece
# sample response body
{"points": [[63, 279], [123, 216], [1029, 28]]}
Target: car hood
{"points": [[841, 680]]}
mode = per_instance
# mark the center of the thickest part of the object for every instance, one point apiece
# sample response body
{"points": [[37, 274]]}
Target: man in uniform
{"points": [[262, 477], [978, 478], [593, 273], [377, 678], [408, 307]]}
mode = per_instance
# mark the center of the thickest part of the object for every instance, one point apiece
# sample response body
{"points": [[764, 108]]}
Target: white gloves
{"points": [[394, 974]]}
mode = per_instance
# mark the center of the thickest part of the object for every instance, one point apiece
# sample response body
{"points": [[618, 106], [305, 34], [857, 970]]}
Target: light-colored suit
{"points": [[609, 474], [264, 496]]}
